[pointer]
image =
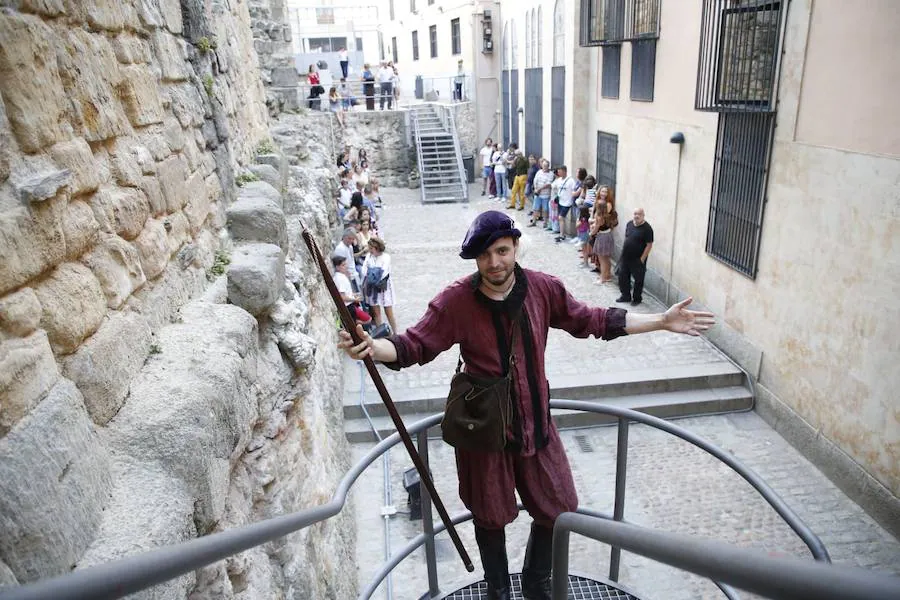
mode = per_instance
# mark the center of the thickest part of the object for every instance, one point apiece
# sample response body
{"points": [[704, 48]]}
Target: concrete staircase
{"points": [[670, 392], [441, 174]]}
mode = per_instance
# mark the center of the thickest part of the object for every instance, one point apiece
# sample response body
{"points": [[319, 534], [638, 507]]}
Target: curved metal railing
{"points": [[135, 573], [781, 578]]}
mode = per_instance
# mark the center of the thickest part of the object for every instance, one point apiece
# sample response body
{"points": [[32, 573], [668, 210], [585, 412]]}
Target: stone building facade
{"points": [[167, 359]]}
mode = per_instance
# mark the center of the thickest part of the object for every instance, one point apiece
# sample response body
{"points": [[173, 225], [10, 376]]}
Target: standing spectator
{"points": [[396, 82], [344, 196], [347, 98], [520, 168], [315, 88], [487, 170], [368, 79], [458, 82], [583, 228], [510, 168], [498, 159], [386, 79], [533, 168], [334, 103], [566, 200], [605, 221], [543, 184], [635, 250], [345, 248], [345, 61], [378, 288]]}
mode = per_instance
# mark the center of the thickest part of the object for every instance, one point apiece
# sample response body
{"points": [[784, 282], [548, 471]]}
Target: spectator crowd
{"points": [[382, 84], [577, 210]]}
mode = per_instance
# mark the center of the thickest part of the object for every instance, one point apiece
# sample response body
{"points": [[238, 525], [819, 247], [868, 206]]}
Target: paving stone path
{"points": [[671, 485]]}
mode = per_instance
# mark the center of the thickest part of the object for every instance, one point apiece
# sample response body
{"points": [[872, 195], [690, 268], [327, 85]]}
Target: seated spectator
{"points": [[345, 194], [356, 206], [345, 248], [345, 289]]}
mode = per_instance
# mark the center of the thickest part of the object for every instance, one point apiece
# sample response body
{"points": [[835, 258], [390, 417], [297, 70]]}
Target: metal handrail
{"points": [[463, 177], [135, 573], [780, 578], [420, 164]]}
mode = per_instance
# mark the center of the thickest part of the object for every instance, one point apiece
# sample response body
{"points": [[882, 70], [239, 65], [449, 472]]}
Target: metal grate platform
{"points": [[580, 588]]}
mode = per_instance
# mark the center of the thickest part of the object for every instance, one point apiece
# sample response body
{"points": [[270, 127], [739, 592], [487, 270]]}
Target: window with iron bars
{"points": [[415, 45], [740, 42], [432, 35], [607, 158], [394, 49], [455, 41], [610, 70]]}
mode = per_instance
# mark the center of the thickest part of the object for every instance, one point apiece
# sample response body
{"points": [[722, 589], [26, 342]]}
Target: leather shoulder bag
{"points": [[479, 409]]}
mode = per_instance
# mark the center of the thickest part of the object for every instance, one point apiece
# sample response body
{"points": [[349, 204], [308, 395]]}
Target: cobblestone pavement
{"points": [[671, 484], [424, 248]]}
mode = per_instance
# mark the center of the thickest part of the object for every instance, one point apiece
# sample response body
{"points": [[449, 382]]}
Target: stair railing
{"points": [[414, 112], [448, 120], [132, 574]]}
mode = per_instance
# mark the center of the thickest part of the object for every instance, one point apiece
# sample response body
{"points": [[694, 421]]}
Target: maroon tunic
{"points": [[539, 468]]}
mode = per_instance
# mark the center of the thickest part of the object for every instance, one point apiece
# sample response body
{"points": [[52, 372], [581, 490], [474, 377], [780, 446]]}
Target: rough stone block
{"points": [[122, 211], [124, 166], [117, 265], [129, 50], [191, 407], [90, 73], [7, 577], [187, 104], [139, 92], [257, 219], [54, 484], [169, 55], [171, 13], [76, 156], [273, 160], [173, 134], [29, 77], [73, 306], [263, 189], [162, 514], [153, 248], [27, 372], [49, 8], [148, 13], [109, 15], [160, 300], [267, 174], [20, 313], [42, 186], [172, 174], [255, 277], [179, 232], [150, 186], [31, 241], [103, 366], [197, 208], [80, 228], [144, 159]]}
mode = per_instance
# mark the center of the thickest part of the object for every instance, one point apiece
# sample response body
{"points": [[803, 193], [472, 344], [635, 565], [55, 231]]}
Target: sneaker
{"points": [[595, 270], [491, 197], [623, 299]]}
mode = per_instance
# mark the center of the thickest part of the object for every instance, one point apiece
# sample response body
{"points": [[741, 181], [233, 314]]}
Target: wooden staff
{"points": [[350, 326]]}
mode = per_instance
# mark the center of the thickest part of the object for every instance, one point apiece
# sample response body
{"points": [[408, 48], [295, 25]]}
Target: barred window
{"points": [[607, 156], [739, 188], [455, 41], [432, 35], [643, 69], [609, 76], [740, 41], [415, 45], [394, 49]]}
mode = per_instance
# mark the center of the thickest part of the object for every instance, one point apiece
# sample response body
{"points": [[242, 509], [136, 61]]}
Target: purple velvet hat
{"points": [[487, 228]]}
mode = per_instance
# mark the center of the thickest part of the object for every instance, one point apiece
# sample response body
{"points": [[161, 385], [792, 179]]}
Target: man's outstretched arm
{"points": [[677, 319]]}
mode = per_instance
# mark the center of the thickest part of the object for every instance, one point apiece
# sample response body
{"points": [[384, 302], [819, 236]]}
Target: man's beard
{"points": [[499, 280]]}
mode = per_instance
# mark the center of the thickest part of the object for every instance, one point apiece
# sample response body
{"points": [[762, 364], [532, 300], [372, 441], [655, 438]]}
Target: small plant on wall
{"points": [[208, 84]]}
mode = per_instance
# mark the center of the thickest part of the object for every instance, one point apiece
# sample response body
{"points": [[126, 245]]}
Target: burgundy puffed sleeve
{"points": [[581, 320], [434, 333]]}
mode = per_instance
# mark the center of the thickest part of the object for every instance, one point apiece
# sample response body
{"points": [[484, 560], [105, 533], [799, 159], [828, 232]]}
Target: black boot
{"points": [[538, 563], [492, 546]]}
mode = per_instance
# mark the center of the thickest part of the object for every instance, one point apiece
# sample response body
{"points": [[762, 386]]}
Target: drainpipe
{"points": [[677, 138]]}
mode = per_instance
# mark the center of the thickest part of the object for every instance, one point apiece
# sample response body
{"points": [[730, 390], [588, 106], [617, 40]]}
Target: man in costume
{"points": [[478, 312]]}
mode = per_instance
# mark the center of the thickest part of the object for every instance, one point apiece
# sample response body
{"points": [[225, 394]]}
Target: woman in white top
{"points": [[380, 293], [498, 159], [360, 175]]}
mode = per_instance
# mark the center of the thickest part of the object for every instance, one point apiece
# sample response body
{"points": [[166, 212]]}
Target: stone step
{"points": [[666, 405], [589, 386]]}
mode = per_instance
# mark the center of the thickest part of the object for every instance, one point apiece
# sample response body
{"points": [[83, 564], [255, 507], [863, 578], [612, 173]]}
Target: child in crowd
{"points": [[583, 231], [334, 103], [589, 195]]}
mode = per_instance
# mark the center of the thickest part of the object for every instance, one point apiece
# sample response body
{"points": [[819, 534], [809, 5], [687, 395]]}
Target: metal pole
{"points": [[560, 574], [428, 521], [615, 555]]}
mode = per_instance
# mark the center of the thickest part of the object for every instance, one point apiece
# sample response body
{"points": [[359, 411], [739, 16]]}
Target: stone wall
{"points": [[149, 391], [384, 135], [467, 129]]}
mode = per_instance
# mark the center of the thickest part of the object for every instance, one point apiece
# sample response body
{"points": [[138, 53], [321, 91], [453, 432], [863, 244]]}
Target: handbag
{"points": [[479, 409], [375, 279]]}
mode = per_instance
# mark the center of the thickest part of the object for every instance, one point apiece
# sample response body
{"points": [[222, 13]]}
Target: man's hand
{"points": [[679, 319], [360, 351]]}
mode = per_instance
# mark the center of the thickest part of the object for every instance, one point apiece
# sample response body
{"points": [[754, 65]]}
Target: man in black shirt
{"points": [[633, 263]]}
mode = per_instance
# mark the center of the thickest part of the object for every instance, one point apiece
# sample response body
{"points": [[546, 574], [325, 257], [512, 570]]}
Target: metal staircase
{"points": [[441, 173]]}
